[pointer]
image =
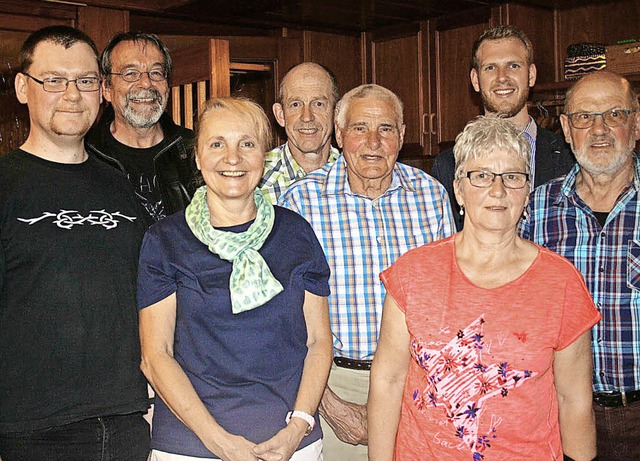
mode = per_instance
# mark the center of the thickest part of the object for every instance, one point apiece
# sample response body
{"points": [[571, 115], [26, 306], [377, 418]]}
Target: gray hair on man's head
{"points": [[365, 91], [486, 134]]}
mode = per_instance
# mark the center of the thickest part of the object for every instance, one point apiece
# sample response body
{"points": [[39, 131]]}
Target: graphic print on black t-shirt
{"points": [[138, 163], [66, 219]]}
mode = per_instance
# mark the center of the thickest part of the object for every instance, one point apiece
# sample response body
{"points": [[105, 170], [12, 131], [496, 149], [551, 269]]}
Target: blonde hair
{"points": [[243, 107], [485, 134]]}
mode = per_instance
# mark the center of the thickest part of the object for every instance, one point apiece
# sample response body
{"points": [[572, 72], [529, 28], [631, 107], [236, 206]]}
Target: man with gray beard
{"points": [[134, 134]]}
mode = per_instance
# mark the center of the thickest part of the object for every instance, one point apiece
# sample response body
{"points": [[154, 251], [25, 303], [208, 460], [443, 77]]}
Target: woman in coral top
{"points": [[484, 350]]}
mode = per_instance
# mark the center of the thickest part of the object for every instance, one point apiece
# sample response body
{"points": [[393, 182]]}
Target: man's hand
{"points": [[347, 419]]}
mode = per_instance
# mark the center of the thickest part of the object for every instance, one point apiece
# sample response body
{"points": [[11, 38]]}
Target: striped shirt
{"points": [[609, 259], [362, 237], [281, 170]]}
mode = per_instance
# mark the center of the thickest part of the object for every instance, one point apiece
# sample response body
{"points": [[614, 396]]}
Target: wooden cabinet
{"points": [[427, 66], [398, 60]]}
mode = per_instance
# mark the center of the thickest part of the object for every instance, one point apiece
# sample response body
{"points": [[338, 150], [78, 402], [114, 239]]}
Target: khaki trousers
{"points": [[352, 386]]}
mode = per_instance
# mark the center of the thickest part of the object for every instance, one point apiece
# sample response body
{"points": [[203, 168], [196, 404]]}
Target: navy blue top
{"points": [[245, 367]]}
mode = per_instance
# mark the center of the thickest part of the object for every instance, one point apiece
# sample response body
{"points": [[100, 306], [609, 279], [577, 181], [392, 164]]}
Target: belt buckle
{"points": [[624, 398]]}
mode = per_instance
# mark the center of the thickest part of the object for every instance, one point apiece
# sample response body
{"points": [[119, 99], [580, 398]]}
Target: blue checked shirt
{"points": [[362, 237], [609, 259], [281, 170]]}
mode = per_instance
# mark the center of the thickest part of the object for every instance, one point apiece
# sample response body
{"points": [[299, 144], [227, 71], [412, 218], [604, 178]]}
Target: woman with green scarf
{"points": [[232, 299]]}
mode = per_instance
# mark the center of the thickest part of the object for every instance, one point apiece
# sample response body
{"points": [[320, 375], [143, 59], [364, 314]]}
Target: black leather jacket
{"points": [[174, 165]]}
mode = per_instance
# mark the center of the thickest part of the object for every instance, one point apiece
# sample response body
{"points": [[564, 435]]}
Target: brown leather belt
{"points": [[616, 399], [353, 364]]}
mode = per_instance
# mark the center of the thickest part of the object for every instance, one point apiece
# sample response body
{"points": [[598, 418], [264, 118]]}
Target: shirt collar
{"points": [[337, 182], [291, 165], [568, 188], [531, 130]]}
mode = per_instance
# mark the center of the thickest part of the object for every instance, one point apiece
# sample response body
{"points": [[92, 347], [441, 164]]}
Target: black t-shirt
{"points": [[138, 163], [70, 236]]}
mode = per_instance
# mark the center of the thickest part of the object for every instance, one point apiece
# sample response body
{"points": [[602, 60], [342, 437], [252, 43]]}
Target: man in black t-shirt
{"points": [[134, 134], [70, 233]]}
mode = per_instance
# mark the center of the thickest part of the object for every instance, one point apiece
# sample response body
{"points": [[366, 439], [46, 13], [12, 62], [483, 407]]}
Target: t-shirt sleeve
{"points": [[156, 279], [579, 312], [393, 280], [316, 278]]}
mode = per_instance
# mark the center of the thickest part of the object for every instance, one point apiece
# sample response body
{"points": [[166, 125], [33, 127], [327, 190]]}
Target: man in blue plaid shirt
{"points": [[591, 216], [366, 210]]}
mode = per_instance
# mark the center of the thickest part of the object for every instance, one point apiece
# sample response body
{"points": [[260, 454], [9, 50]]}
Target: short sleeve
{"points": [[316, 278], [579, 312], [156, 279], [392, 278]]}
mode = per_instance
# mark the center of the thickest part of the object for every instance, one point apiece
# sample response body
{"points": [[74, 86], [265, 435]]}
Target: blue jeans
{"points": [[618, 430], [108, 438]]}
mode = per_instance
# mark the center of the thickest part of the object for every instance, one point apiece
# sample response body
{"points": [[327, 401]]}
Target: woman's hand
{"points": [[234, 448], [283, 445]]}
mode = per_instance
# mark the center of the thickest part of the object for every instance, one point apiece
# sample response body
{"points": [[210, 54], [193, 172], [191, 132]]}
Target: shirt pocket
{"points": [[633, 265]]}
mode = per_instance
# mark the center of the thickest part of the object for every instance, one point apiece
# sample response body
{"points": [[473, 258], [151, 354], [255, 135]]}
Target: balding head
{"points": [[600, 121], [309, 70], [599, 79], [308, 94]]}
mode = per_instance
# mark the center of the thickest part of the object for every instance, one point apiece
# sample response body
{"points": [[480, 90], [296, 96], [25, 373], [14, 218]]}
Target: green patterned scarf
{"points": [[251, 284]]}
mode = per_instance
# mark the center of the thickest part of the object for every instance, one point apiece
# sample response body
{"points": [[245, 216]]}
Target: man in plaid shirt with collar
{"points": [[366, 210], [591, 216], [308, 94]]}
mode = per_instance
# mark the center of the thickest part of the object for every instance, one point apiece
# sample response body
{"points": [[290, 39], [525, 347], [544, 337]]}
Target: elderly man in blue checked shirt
{"points": [[366, 210], [591, 217]]}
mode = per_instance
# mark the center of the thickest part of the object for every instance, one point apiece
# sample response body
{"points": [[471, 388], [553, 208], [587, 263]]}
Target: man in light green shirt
{"points": [[307, 97]]}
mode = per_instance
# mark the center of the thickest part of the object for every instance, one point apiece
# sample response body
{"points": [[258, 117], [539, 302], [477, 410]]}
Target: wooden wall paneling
{"points": [[457, 102], [428, 82], [604, 22], [102, 23], [30, 23], [539, 25], [30, 15], [397, 66], [176, 112], [219, 62], [342, 54]]}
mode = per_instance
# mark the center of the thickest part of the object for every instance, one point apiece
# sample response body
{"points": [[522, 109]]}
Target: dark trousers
{"points": [[618, 431], [108, 438]]}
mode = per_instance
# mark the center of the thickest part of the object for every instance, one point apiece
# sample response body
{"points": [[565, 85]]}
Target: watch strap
{"points": [[302, 415]]}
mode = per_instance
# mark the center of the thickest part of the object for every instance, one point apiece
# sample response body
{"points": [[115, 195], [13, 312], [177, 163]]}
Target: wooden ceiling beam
{"points": [[150, 6]]}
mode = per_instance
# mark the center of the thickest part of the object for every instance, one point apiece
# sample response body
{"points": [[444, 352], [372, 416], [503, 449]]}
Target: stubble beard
{"points": [[148, 116], [614, 162], [507, 112]]}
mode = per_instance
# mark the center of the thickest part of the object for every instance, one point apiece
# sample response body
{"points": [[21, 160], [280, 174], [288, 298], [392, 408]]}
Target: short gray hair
{"points": [[136, 37], [365, 91], [484, 134]]}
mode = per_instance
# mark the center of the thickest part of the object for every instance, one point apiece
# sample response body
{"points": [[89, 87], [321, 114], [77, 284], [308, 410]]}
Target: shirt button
{"points": [[379, 240], [601, 269]]}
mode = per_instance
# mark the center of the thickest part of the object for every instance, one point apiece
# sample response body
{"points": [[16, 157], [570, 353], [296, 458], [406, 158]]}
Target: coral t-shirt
{"points": [[480, 382]]}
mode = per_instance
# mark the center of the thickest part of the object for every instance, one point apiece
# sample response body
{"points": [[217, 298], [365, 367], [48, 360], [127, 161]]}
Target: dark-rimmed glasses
{"points": [[60, 84], [510, 179], [133, 75], [613, 118]]}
